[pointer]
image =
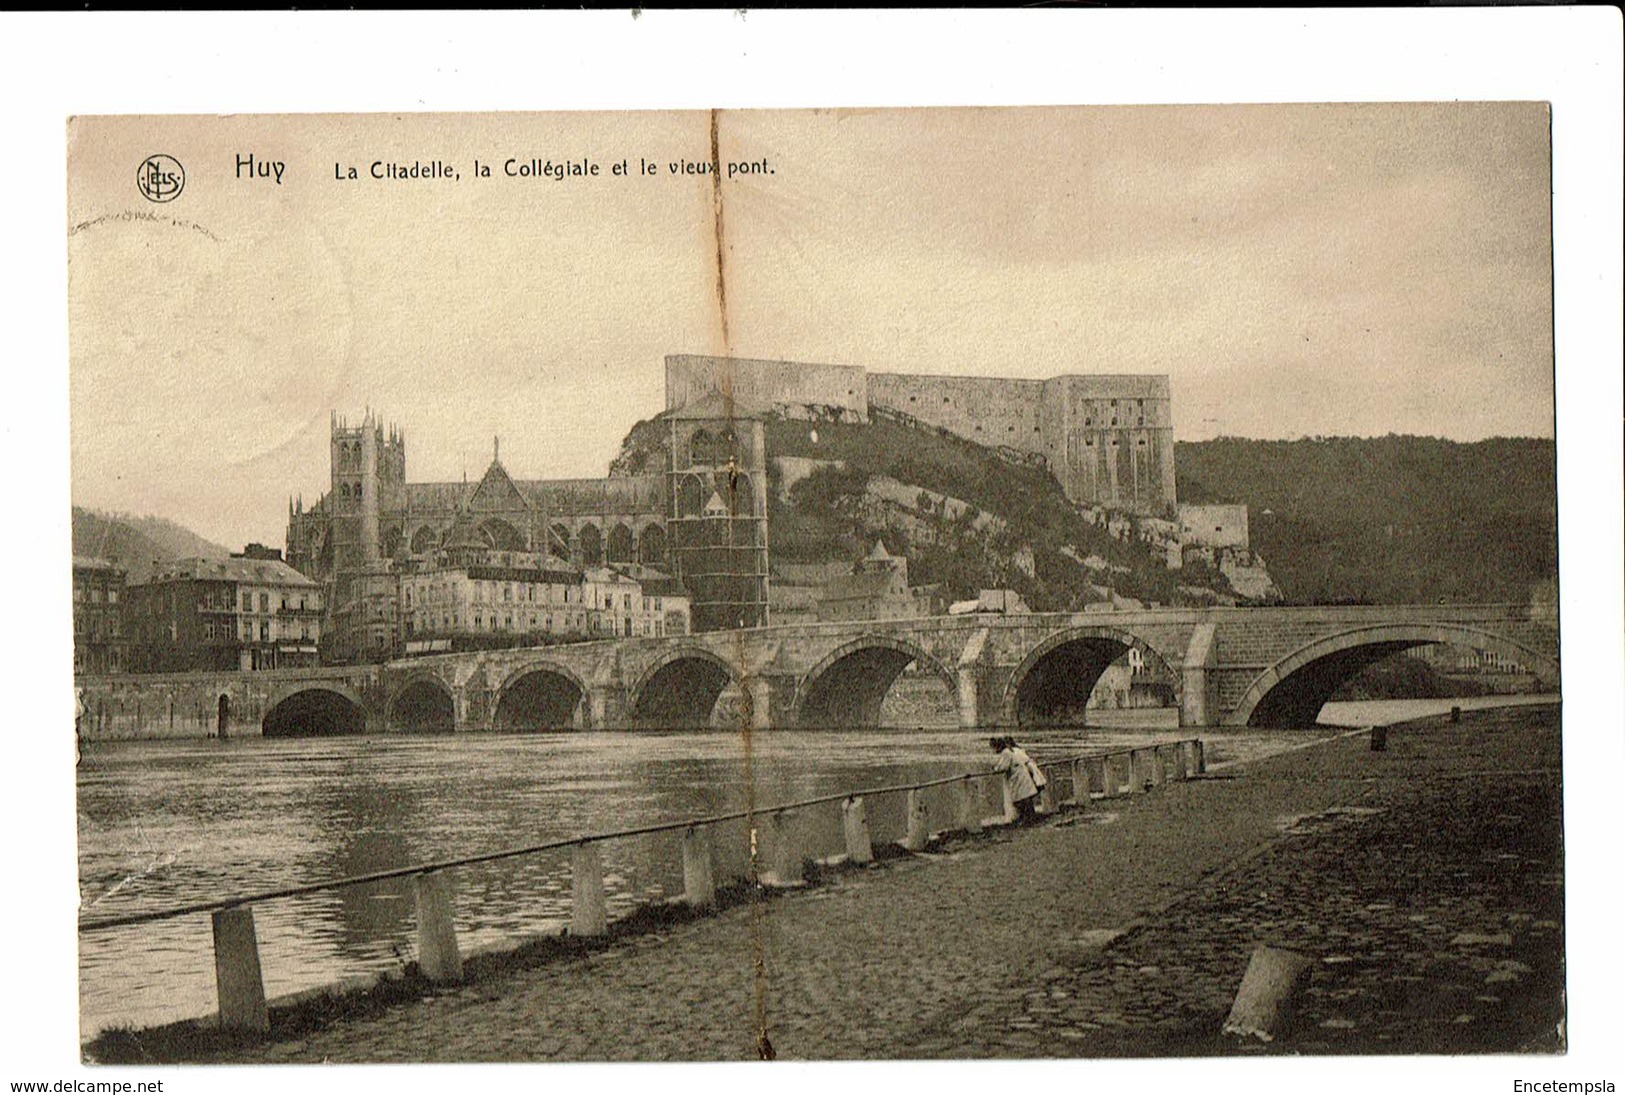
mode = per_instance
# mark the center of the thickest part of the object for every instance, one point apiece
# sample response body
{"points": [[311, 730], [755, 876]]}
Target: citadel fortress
{"points": [[1108, 440]]}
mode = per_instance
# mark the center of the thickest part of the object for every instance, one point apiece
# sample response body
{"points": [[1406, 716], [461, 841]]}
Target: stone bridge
{"points": [[1266, 667]]}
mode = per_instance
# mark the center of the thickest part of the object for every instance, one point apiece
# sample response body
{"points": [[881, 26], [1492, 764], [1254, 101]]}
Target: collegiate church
{"points": [[703, 520]]}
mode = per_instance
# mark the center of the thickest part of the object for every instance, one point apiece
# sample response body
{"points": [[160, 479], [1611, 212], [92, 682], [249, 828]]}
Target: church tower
{"points": [[368, 468], [718, 522]]}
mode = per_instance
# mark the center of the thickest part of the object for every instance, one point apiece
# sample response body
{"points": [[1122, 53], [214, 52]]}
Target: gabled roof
{"points": [[497, 493]]}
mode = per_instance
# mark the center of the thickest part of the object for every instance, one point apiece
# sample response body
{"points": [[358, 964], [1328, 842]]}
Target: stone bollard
{"points": [[1097, 769], [438, 956], [970, 807], [1263, 1006], [855, 823], [588, 915], [238, 982], [1379, 738], [919, 824], [1119, 773], [1455, 714], [1159, 765], [1080, 784], [699, 883], [787, 866], [1201, 757], [1046, 796], [1139, 768], [1176, 754], [1009, 803], [1193, 766]]}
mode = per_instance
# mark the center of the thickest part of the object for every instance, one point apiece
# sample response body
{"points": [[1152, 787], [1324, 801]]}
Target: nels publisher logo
{"points": [[160, 178]]}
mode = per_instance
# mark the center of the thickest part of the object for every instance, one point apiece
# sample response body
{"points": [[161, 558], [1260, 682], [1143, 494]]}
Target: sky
{"points": [[1295, 270]]}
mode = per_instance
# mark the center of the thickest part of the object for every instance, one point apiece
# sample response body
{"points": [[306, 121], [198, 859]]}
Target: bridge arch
{"points": [[423, 704], [848, 685], [314, 710], [1292, 691], [681, 689], [1054, 681], [541, 695]]}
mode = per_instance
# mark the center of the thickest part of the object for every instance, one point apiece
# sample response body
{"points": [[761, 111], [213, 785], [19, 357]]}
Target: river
{"points": [[169, 823]]}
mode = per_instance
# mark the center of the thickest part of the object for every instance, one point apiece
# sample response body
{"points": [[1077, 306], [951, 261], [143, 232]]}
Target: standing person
{"points": [[1040, 780], [1018, 777]]}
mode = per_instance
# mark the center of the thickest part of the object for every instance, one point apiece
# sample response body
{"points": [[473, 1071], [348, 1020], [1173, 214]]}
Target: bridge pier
{"points": [[1194, 706], [760, 695], [595, 708], [971, 681], [966, 690]]}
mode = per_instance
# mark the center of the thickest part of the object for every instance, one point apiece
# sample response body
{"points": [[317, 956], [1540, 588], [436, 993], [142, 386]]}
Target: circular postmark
{"points": [[160, 178]]}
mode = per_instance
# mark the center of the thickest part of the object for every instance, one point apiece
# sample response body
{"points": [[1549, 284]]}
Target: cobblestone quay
{"points": [[1426, 882]]}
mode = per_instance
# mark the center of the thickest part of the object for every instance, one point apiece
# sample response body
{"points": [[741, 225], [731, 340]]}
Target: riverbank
{"points": [[1122, 930]]}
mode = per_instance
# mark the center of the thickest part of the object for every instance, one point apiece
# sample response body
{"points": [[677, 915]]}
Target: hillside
{"points": [[1389, 519], [135, 542], [959, 513]]}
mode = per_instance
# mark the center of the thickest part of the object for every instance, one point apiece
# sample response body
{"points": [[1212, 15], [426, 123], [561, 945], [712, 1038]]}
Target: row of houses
{"points": [[254, 612], [251, 611]]}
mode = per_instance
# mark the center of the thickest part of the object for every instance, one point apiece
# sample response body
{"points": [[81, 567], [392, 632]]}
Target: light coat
{"points": [[1018, 773]]}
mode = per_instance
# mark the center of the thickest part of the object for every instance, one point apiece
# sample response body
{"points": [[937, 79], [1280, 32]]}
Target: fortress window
{"points": [[1142, 420], [911, 399], [1088, 421], [1114, 421], [945, 399]]}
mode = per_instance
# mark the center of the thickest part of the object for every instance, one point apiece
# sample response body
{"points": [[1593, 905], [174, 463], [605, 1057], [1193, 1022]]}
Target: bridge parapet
{"points": [[1223, 661]]}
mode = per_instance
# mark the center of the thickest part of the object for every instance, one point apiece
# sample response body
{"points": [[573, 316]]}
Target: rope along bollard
{"points": [[855, 825], [240, 979], [919, 824], [699, 881], [970, 807], [238, 983], [438, 955], [787, 866], [1080, 784], [588, 916]]}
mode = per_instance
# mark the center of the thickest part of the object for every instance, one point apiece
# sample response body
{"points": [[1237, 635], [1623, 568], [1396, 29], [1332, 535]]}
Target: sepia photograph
{"points": [[820, 583], [619, 562]]}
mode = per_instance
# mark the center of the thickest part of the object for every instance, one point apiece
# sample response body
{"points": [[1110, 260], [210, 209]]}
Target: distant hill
{"points": [[136, 542], [1389, 519]]}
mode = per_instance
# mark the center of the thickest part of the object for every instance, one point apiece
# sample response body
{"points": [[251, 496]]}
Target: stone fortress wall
{"points": [[1108, 439], [756, 386]]}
